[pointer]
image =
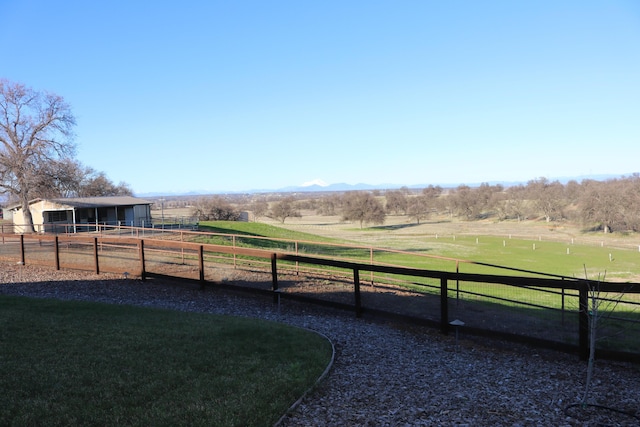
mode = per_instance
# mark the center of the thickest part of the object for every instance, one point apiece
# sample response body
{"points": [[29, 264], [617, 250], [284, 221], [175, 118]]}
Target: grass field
{"points": [[536, 246], [79, 363]]}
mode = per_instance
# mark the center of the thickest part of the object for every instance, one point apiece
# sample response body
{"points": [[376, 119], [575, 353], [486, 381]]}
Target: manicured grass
{"points": [[80, 363]]}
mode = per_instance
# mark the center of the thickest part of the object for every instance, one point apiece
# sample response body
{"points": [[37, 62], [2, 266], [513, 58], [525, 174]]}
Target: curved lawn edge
{"points": [[98, 323], [320, 379]]}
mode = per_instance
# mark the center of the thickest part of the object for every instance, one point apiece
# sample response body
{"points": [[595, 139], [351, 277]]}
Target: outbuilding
{"points": [[83, 213]]}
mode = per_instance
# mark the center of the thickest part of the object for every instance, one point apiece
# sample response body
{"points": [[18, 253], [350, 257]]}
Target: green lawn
{"points": [[80, 363]]}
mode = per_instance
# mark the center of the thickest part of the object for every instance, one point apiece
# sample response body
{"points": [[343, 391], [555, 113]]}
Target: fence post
{"points": [[95, 255], [563, 300], [356, 290], [56, 248], [371, 262], [457, 283], [444, 306], [201, 263], [22, 249], [274, 278], [182, 247], [583, 321], [143, 270], [233, 241]]}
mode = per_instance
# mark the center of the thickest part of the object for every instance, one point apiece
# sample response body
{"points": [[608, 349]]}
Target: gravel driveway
{"points": [[386, 374]]}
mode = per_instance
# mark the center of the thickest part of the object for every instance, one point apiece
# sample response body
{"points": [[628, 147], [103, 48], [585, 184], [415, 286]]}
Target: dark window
{"points": [[57, 216], [121, 213]]}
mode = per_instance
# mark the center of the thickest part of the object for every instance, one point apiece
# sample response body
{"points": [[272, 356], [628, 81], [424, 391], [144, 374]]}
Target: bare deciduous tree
{"points": [[599, 306], [419, 207], [432, 192], [464, 202], [35, 128], [58, 178], [515, 203], [259, 207], [215, 209], [362, 207], [69, 178], [328, 205], [549, 197], [96, 184], [397, 201], [284, 209]]}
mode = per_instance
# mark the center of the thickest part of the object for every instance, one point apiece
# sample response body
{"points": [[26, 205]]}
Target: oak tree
{"points": [[397, 201], [69, 178], [420, 206], [328, 204], [285, 208], [35, 128], [259, 207], [548, 196], [215, 208], [362, 207], [97, 184]]}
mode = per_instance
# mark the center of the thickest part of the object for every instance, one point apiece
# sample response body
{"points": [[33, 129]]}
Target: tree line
{"points": [[37, 150], [610, 205]]}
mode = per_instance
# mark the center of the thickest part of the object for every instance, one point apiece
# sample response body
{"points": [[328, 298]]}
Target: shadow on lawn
{"points": [[393, 227]]}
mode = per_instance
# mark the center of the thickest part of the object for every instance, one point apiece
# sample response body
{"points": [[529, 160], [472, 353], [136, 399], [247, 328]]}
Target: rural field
{"points": [[555, 247], [563, 247], [452, 245], [399, 230]]}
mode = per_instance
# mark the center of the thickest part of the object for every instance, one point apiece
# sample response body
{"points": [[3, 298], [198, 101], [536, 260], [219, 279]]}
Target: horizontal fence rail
{"points": [[534, 307]]}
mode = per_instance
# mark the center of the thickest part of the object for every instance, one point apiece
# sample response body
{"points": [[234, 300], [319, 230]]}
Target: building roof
{"points": [[100, 202], [93, 202]]}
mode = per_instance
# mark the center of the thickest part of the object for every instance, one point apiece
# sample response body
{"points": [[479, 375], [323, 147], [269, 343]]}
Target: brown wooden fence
{"points": [[436, 294]]}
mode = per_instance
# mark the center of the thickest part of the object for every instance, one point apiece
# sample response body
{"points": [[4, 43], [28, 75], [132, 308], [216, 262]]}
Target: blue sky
{"points": [[239, 95]]}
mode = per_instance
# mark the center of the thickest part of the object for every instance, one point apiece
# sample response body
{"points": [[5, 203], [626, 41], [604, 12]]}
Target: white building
{"points": [[49, 215]]}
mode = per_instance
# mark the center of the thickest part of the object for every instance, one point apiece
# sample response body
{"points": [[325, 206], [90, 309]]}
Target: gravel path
{"points": [[386, 374]]}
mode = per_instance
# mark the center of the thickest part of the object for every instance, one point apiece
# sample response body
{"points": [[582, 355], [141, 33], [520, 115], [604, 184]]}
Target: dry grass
{"points": [[400, 231]]}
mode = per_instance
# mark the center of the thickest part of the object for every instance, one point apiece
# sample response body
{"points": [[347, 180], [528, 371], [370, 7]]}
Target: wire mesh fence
{"points": [[538, 308]]}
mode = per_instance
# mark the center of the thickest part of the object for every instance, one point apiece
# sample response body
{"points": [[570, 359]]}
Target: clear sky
{"points": [[238, 95]]}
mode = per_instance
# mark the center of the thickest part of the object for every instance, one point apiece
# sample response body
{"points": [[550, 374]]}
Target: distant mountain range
{"points": [[315, 187], [318, 185]]}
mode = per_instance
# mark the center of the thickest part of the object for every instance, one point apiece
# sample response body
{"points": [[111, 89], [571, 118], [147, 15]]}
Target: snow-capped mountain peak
{"points": [[317, 181]]}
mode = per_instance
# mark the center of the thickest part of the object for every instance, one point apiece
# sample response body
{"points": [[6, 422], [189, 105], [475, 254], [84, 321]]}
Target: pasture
{"points": [[447, 245], [555, 248], [442, 243]]}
